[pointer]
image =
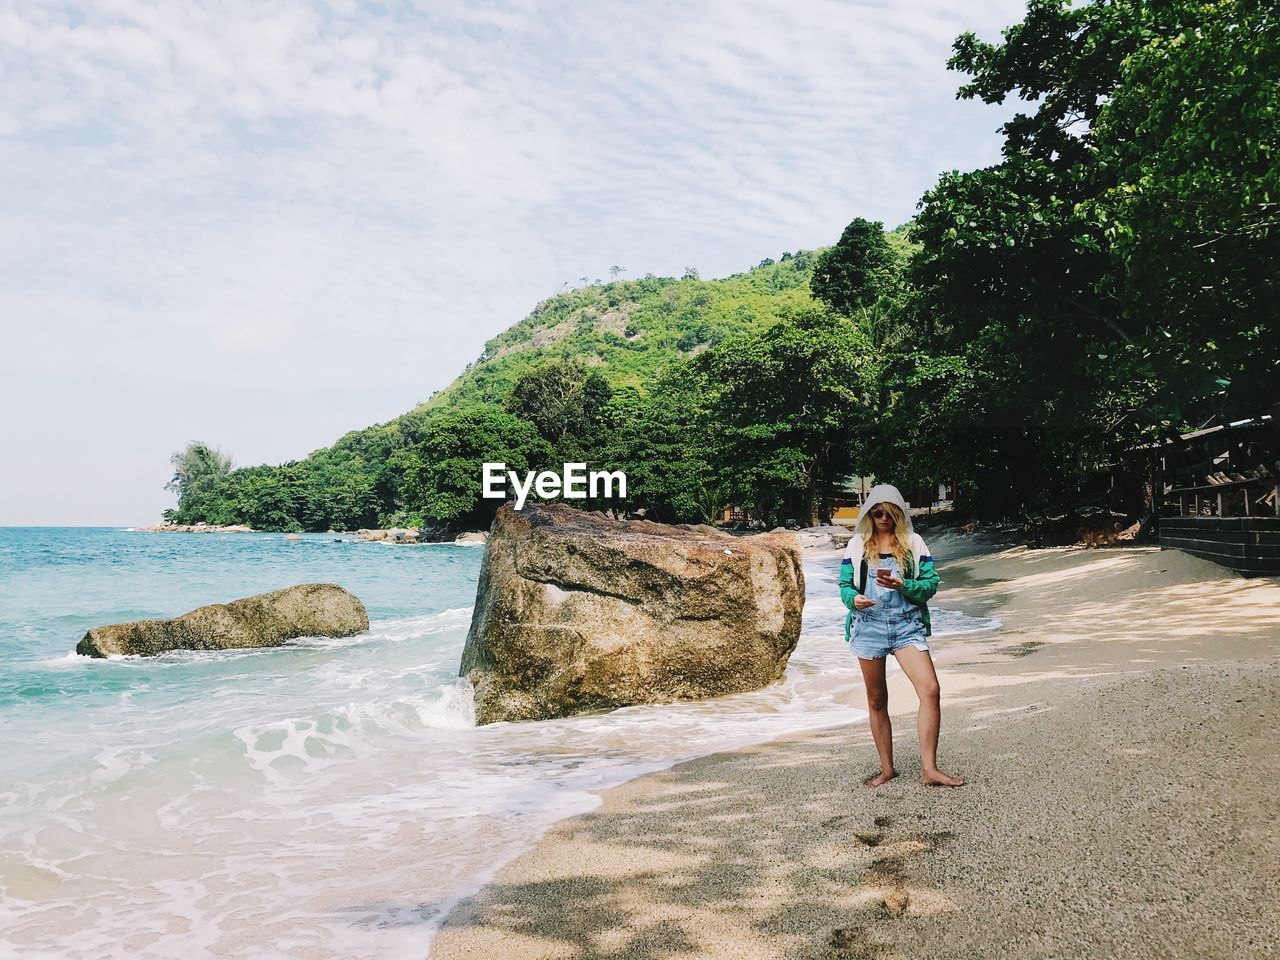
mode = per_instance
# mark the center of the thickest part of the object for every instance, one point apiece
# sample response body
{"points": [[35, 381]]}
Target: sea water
{"points": [[326, 798]]}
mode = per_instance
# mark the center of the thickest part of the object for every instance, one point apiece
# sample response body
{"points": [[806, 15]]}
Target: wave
{"points": [[314, 743], [395, 629]]}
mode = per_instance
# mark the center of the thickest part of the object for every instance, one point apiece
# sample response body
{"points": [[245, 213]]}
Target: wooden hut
{"points": [[1220, 494]]}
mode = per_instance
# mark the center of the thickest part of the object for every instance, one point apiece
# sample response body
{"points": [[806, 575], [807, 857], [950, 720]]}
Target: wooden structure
{"points": [[1220, 495], [843, 504], [846, 499]]}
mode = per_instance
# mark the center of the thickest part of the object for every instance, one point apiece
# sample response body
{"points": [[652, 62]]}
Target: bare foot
{"points": [[881, 778], [936, 778]]}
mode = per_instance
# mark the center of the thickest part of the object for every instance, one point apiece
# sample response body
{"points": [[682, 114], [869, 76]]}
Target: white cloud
{"points": [[343, 202]]}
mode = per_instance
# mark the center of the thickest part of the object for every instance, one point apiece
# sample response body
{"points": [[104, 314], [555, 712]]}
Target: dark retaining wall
{"points": [[1250, 545]]}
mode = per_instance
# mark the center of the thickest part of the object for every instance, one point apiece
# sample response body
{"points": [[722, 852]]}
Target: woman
{"points": [[886, 580]]}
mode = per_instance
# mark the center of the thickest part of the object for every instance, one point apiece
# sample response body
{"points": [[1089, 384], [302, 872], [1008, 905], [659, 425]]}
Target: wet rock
{"points": [[265, 620]]}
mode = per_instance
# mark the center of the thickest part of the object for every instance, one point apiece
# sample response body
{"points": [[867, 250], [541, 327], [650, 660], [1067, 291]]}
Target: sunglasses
{"points": [[877, 513]]}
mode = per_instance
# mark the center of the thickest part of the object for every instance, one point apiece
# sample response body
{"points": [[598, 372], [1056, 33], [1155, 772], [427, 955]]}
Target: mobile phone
{"points": [[884, 573]]}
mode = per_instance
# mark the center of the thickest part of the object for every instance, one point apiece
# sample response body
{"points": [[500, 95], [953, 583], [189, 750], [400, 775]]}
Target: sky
{"points": [[263, 225]]}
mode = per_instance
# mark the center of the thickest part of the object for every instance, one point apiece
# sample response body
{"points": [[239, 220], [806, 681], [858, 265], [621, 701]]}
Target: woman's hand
{"points": [[892, 582], [861, 603]]}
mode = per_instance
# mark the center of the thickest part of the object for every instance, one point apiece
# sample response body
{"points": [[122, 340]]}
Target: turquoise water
{"points": [[327, 798], [56, 583]]}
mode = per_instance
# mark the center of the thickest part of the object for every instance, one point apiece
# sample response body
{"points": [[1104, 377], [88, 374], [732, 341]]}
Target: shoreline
{"points": [[1104, 678]]}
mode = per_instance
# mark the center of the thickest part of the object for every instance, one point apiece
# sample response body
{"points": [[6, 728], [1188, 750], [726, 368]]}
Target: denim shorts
{"points": [[874, 637]]}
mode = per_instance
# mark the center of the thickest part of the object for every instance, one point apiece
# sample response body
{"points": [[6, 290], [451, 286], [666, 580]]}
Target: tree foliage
{"points": [[196, 467], [443, 473], [563, 400], [859, 270], [787, 404], [1076, 278]]}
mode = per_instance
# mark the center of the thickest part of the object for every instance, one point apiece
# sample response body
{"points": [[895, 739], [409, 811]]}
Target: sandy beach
{"points": [[1119, 738]]}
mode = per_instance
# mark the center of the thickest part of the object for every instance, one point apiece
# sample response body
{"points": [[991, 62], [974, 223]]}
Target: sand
{"points": [[1119, 736]]}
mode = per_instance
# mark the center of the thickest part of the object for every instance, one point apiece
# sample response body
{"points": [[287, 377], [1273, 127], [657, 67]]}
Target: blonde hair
{"points": [[902, 539]]}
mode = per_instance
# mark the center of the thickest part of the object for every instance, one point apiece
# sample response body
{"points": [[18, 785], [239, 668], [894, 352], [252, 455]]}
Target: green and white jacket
{"points": [[918, 588]]}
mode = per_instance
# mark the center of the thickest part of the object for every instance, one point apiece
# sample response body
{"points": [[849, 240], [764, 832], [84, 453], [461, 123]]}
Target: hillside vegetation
{"points": [[629, 332], [632, 330]]}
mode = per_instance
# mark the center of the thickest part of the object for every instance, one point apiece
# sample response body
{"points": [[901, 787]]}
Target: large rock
{"points": [[266, 620], [577, 612]]}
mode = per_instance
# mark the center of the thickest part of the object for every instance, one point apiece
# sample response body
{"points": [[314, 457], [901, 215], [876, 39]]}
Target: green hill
{"points": [[629, 331], [632, 329]]}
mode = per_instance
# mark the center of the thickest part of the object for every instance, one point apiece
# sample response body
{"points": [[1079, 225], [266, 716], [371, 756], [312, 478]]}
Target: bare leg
{"points": [[881, 728], [918, 666]]}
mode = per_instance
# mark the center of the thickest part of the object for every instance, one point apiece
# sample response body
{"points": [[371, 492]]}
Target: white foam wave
{"points": [[395, 629], [114, 763], [302, 745], [953, 623], [67, 660]]}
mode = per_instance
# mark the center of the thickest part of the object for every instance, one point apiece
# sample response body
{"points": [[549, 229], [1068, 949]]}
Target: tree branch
{"points": [[1103, 317]]}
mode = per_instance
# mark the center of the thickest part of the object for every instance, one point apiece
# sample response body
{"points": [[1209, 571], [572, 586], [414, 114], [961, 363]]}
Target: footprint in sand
{"points": [[885, 872], [886, 879], [1023, 649], [854, 942], [895, 901]]}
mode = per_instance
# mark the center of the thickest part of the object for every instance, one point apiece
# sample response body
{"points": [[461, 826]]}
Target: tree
{"points": [[664, 441], [788, 405], [198, 471], [443, 474], [690, 273], [1077, 278], [563, 400], [860, 269], [268, 499], [1192, 132], [616, 271], [931, 423], [196, 465]]}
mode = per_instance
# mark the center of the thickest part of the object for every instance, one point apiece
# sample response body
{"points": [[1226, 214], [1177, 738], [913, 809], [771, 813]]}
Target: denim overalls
{"points": [[893, 623]]}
